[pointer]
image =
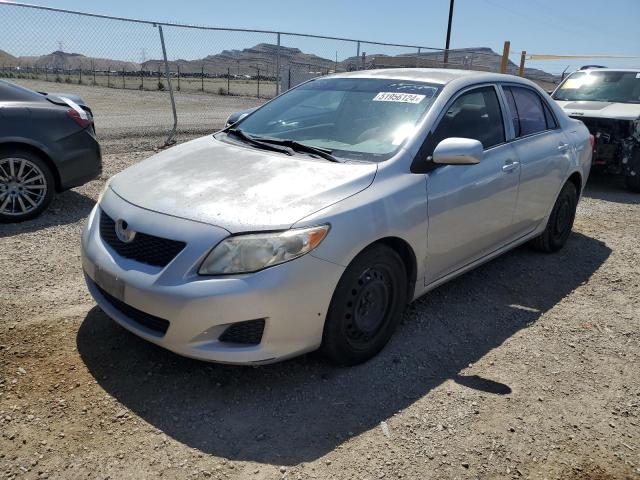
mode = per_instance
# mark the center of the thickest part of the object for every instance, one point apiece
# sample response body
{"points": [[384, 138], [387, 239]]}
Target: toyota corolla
{"points": [[312, 221]]}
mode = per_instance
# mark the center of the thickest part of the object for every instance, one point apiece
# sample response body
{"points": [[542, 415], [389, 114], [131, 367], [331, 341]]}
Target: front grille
{"points": [[153, 323], [245, 333], [144, 248]]}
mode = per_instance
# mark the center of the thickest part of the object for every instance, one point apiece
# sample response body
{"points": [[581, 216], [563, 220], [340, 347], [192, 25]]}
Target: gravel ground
{"points": [[524, 368]]}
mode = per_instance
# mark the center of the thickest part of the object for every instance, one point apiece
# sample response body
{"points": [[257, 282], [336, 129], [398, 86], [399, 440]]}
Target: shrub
{"points": [[68, 80], [222, 91], [160, 85], [58, 79]]}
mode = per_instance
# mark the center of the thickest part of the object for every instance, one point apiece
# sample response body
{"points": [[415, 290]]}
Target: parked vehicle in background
{"points": [[47, 145], [608, 102], [313, 220]]}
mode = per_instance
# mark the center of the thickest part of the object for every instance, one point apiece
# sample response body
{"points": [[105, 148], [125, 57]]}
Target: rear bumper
{"points": [[291, 298], [79, 159]]}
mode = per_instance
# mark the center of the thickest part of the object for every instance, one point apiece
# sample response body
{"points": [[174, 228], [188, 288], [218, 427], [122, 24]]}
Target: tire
{"points": [[366, 306], [27, 185], [632, 178], [633, 183], [560, 222]]}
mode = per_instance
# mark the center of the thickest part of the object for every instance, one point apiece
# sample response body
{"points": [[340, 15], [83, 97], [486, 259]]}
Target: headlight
{"points": [[250, 253]]}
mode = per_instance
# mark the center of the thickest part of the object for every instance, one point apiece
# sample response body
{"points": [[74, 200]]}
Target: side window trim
{"points": [[504, 85], [415, 168]]}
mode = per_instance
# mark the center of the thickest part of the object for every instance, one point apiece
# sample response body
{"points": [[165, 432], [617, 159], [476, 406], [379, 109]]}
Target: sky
{"points": [[537, 26]]}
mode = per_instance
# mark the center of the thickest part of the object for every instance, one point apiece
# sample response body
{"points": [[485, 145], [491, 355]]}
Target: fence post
{"points": [[141, 78], [46, 73], [505, 57], [258, 83], [228, 80], [80, 81], [109, 76], [169, 140], [178, 77], [522, 60], [278, 66], [124, 85], [202, 78]]}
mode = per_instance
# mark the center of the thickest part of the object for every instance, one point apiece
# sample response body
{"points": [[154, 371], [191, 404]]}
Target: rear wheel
{"points": [[26, 185], [365, 307], [560, 222]]}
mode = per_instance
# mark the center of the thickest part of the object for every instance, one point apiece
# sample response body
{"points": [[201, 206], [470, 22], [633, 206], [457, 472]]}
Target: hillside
{"points": [[73, 61], [7, 59], [247, 61], [482, 58], [263, 56]]}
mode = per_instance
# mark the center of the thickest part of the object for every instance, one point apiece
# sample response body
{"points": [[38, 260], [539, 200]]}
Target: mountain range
{"points": [[263, 57]]}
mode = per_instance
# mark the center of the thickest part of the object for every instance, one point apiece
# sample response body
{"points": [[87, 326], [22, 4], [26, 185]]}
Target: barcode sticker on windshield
{"points": [[398, 97]]}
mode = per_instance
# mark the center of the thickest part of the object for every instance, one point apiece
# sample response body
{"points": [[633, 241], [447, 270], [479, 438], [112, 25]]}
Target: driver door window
{"points": [[476, 115]]}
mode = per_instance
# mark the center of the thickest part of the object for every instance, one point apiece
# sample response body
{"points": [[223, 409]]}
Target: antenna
{"points": [[143, 55], [60, 46]]}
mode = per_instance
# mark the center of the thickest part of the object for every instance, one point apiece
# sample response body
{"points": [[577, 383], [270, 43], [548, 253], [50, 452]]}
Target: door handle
{"points": [[510, 166], [563, 146]]}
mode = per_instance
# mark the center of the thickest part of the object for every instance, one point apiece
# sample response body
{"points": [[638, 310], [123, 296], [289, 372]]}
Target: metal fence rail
{"points": [[146, 77]]}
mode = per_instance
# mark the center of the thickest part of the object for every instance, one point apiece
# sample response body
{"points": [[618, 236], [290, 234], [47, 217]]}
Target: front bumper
{"points": [[292, 298]]}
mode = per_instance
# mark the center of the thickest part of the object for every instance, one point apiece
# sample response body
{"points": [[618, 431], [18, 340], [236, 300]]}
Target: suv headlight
{"points": [[253, 252]]}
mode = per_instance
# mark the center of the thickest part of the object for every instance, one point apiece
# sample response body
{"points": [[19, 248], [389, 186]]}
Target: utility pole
{"points": [[446, 47]]}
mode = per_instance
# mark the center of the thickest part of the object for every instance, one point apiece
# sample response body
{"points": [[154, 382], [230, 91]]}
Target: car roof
{"points": [[440, 76]]}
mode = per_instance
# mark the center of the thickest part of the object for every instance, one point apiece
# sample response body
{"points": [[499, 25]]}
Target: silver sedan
{"points": [[313, 220]]}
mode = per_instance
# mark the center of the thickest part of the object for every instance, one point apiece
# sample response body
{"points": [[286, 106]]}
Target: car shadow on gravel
{"points": [[610, 188], [299, 410], [67, 207]]}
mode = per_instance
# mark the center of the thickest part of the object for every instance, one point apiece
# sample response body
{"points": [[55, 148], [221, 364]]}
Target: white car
{"points": [[608, 102]]}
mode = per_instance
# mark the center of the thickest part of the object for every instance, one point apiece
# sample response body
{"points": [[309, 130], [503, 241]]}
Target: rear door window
{"points": [[529, 113]]}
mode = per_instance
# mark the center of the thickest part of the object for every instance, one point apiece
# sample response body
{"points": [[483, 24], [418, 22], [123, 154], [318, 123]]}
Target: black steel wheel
{"points": [[560, 221], [365, 307]]}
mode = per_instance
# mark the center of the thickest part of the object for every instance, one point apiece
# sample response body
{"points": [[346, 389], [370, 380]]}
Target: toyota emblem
{"points": [[124, 234]]}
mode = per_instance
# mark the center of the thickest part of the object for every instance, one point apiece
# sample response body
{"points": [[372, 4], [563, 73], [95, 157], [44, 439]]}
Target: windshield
{"points": [[602, 86], [350, 117]]}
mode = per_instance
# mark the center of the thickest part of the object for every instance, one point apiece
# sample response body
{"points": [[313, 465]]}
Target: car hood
{"points": [[238, 188], [618, 111]]}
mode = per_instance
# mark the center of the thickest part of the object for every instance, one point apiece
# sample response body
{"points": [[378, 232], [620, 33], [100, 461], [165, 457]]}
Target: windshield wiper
{"points": [[258, 142], [303, 147]]}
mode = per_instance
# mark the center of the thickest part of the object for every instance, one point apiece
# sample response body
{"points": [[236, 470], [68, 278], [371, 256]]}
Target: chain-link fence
{"points": [[145, 78]]}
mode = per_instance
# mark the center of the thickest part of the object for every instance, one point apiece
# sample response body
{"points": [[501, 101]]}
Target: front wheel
{"points": [[26, 185], [366, 306], [560, 222]]}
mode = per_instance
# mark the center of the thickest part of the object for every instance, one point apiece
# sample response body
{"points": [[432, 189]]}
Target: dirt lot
{"points": [[525, 368], [147, 114]]}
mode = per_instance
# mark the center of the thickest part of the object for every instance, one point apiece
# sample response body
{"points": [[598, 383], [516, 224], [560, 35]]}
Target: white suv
{"points": [[608, 102]]}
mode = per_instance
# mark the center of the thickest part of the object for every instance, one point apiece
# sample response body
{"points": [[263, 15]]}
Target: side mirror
{"points": [[237, 116], [458, 151]]}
